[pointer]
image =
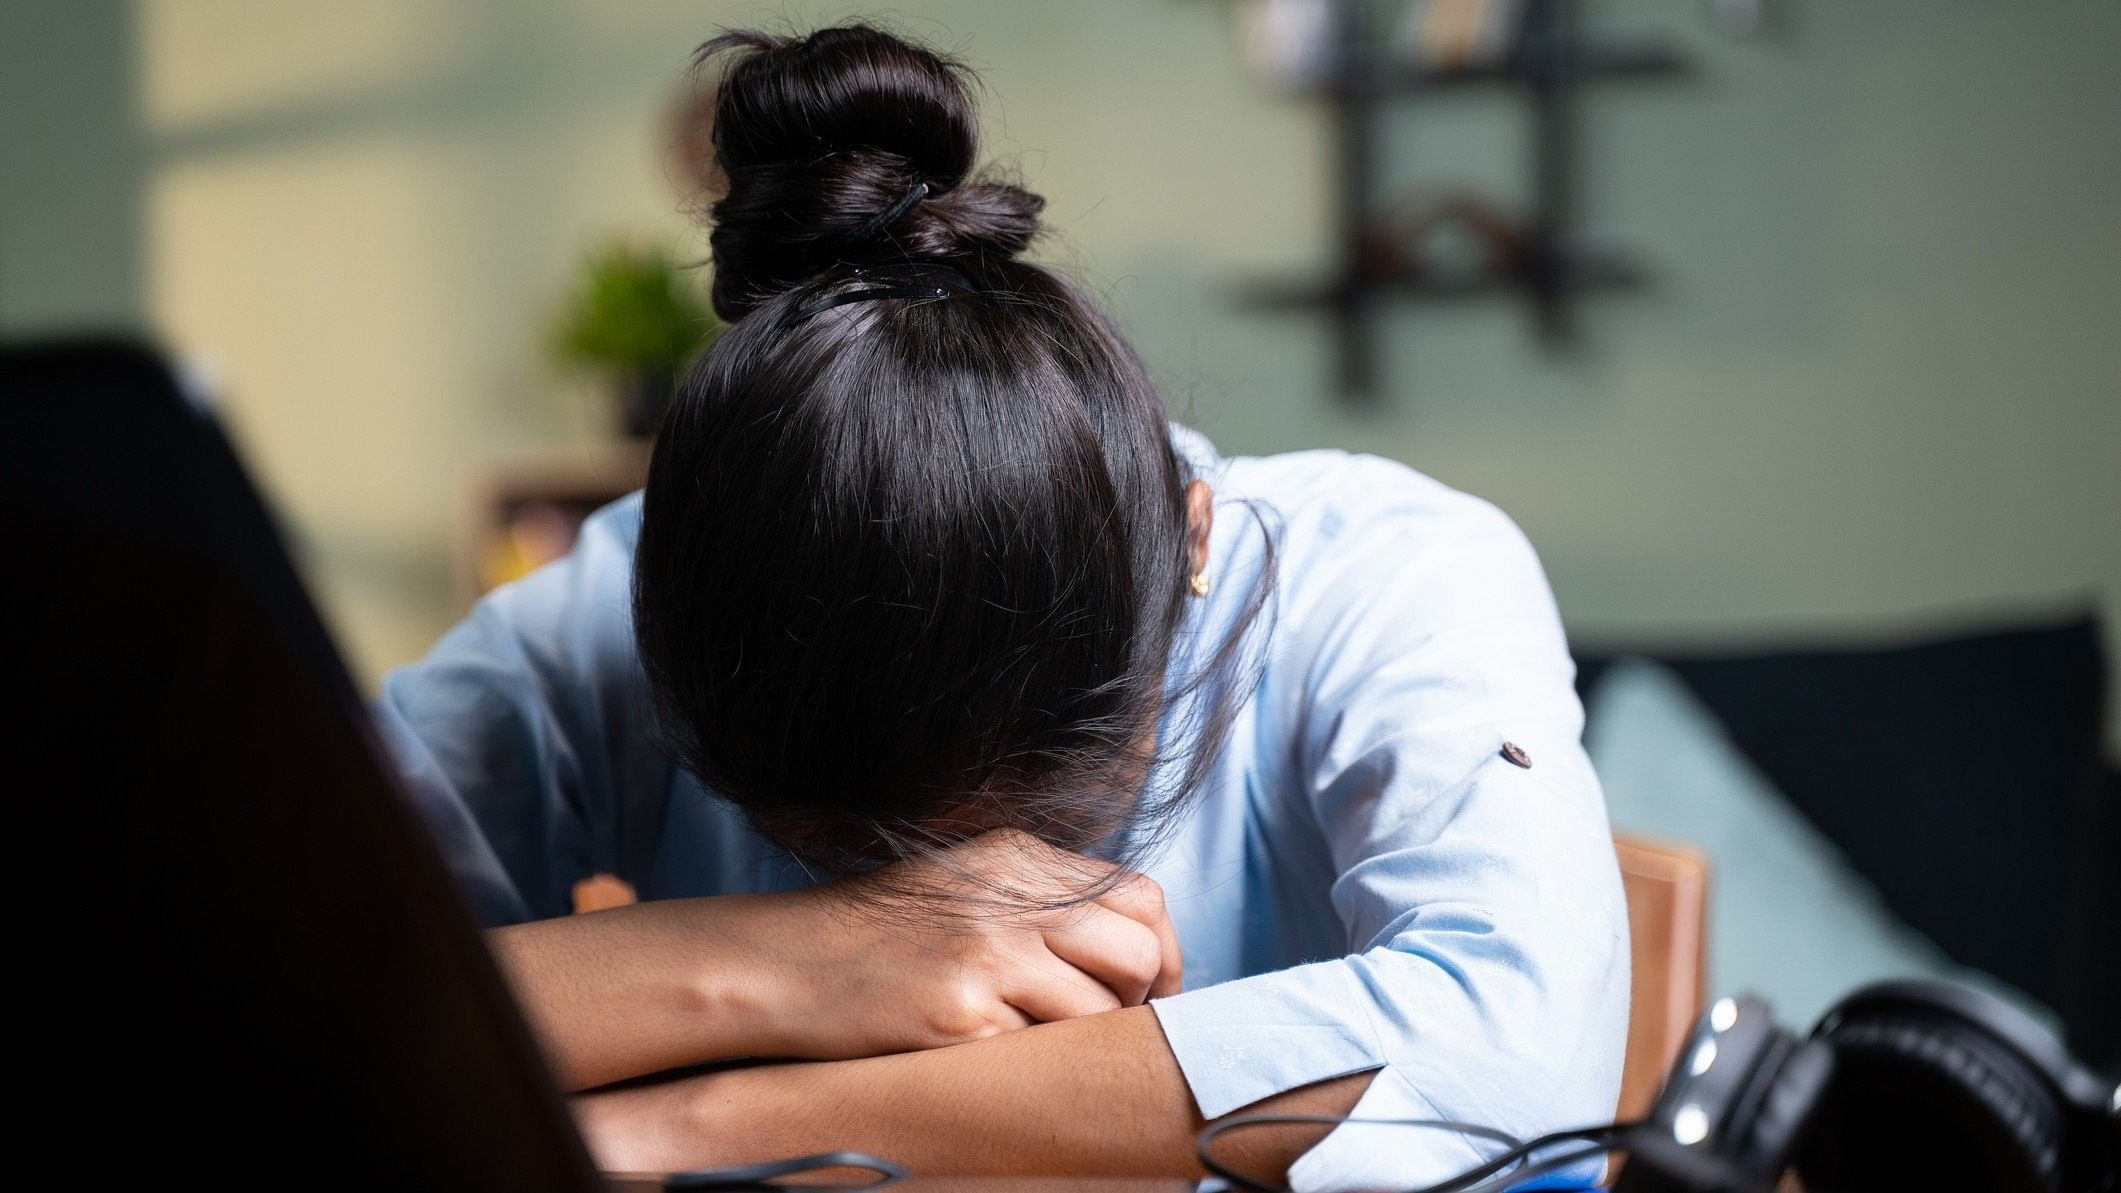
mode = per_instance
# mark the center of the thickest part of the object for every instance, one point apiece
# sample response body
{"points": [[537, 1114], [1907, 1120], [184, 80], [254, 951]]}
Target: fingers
{"points": [[961, 1011], [1171, 966], [1057, 990], [1142, 900], [1119, 951], [1085, 940], [1137, 897], [1006, 1018]]}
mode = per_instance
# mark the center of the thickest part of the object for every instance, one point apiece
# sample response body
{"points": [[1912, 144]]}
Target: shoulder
{"points": [[568, 624], [1337, 492], [1369, 564], [597, 569], [1338, 523], [616, 526]]}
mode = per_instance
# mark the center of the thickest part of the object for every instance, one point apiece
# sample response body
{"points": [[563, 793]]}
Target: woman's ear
{"points": [[1200, 519]]}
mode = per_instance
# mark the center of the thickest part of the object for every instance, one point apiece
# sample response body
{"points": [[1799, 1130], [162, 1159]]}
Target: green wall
{"points": [[70, 167]]}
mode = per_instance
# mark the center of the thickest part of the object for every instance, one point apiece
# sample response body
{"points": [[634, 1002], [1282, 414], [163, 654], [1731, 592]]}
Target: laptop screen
{"points": [[250, 955]]}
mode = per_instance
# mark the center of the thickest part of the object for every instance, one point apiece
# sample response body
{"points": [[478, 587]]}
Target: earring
{"points": [[1199, 584]]}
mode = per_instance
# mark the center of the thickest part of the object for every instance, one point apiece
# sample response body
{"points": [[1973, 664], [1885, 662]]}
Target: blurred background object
{"points": [[1291, 43], [1824, 473], [635, 321], [637, 318], [1380, 54], [527, 505]]}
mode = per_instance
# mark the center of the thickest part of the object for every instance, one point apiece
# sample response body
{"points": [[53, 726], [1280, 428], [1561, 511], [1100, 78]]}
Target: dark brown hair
{"points": [[910, 567]]}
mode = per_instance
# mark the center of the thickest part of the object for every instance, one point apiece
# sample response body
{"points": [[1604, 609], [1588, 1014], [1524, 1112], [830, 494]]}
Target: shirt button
{"points": [[1516, 755]]}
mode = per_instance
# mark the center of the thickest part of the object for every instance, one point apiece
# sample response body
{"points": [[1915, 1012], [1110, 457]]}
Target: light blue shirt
{"points": [[1365, 882]]}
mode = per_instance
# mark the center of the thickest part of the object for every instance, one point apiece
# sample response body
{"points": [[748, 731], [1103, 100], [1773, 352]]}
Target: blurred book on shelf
{"points": [[1450, 35], [530, 507]]}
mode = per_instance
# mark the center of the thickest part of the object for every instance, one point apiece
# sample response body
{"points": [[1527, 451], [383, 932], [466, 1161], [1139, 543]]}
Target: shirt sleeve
{"points": [[1487, 974], [514, 734]]}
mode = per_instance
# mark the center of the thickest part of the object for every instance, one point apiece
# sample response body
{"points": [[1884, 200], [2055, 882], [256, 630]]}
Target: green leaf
{"points": [[634, 310]]}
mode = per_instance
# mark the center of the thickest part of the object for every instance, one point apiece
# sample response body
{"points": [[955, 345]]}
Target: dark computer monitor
{"points": [[245, 961]]}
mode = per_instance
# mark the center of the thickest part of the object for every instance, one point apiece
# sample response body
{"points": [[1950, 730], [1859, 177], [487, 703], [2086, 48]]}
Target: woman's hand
{"points": [[918, 955], [958, 947]]}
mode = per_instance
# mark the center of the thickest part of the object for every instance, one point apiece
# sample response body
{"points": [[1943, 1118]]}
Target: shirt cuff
{"points": [[1254, 1037], [1357, 1156], [1249, 1039], [1376, 1156]]}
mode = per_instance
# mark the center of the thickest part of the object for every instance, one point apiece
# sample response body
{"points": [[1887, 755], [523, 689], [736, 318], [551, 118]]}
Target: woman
{"points": [[1045, 782]]}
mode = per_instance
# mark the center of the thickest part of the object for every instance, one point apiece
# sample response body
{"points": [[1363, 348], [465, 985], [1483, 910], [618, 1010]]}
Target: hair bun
{"points": [[821, 138]]}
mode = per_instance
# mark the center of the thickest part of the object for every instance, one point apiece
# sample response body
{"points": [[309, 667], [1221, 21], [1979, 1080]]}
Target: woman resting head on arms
{"points": [[942, 727]]}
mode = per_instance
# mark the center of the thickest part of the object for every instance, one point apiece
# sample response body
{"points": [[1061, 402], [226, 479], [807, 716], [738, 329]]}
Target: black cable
{"points": [[1603, 1136], [1208, 1135], [756, 1176], [1543, 1167]]}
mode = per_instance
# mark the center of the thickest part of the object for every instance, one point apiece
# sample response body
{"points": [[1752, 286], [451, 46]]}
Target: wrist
{"points": [[750, 1110], [748, 977]]}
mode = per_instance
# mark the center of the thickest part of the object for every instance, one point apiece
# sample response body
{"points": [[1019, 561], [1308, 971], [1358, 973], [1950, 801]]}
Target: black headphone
{"points": [[1903, 1085], [1916, 1086]]}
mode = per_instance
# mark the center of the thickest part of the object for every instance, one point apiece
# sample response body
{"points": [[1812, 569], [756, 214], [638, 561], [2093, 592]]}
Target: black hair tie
{"points": [[890, 215], [898, 279]]}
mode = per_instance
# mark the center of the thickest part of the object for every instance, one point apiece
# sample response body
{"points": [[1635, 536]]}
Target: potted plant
{"points": [[639, 317]]}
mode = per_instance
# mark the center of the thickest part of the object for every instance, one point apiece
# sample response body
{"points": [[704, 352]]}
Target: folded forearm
{"points": [[641, 989], [1098, 1095]]}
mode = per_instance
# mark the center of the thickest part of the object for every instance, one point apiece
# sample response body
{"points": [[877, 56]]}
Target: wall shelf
{"points": [[1586, 273], [1551, 270], [1588, 63]]}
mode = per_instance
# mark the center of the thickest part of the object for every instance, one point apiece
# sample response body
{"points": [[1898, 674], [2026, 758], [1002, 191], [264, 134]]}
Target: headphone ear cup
{"points": [[1777, 1117], [1923, 1101], [1734, 1104]]}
